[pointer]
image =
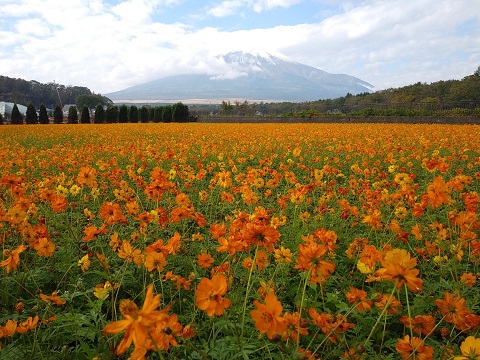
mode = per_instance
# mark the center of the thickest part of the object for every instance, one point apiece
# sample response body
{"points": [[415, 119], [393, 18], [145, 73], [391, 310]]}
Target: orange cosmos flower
{"points": [[295, 327], [268, 317], [310, 258], [54, 298], [205, 260], [283, 255], [397, 267], [9, 329], [29, 324], [92, 231], [454, 310], [165, 331], [58, 203], [112, 213], [229, 244], [130, 253], [438, 192], [12, 258], [209, 295], [468, 279], [470, 349], [382, 301], [373, 219], [357, 296], [263, 235], [44, 247], [87, 175], [413, 349], [248, 264], [155, 261], [330, 325], [261, 260], [420, 324], [136, 322]]}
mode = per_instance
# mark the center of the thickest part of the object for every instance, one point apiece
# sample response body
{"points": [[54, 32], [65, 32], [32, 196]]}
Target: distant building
{"points": [[6, 109]]}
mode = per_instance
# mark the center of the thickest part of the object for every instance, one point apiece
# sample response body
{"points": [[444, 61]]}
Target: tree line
{"points": [[178, 112], [23, 92]]}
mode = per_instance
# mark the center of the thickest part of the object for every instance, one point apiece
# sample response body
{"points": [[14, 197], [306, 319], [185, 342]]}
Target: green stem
{"points": [[301, 306], [380, 317], [246, 294]]}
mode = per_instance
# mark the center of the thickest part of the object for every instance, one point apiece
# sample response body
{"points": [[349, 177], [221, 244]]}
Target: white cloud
{"points": [[226, 8], [261, 5], [107, 48], [232, 7]]}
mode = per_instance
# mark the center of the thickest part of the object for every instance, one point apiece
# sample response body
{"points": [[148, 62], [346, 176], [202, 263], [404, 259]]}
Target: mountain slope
{"points": [[249, 76]]}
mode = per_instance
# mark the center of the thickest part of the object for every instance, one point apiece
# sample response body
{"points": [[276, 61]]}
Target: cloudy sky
{"points": [[108, 45]]}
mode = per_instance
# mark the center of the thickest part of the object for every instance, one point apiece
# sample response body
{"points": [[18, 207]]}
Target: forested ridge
{"points": [[30, 91]]}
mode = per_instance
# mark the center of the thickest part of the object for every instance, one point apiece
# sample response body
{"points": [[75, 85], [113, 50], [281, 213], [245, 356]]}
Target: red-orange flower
{"points": [[92, 231], [420, 324], [112, 213], [54, 298], [268, 317], [205, 260], [136, 322], [310, 258], [454, 310], [12, 258], [209, 295], [413, 349], [29, 324], [44, 247], [438, 192], [357, 296]]}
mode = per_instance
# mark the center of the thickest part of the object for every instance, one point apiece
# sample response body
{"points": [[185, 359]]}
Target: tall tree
{"points": [[31, 116], [99, 114], [43, 116], [72, 115], [123, 114], [167, 113], [58, 115], [111, 114], [16, 118], [144, 114], [180, 112], [133, 114], [157, 115], [85, 117]]}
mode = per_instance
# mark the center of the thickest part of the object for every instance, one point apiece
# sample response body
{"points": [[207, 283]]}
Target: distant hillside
{"points": [[440, 95], [23, 92]]}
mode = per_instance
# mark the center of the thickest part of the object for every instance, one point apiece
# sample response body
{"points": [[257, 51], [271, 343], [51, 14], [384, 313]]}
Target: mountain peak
{"points": [[266, 54], [248, 75]]}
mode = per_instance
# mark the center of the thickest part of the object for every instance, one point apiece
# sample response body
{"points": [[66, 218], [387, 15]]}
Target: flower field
{"points": [[240, 241]]}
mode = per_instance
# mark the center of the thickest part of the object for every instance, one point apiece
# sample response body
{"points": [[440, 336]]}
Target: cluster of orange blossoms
{"points": [[332, 225]]}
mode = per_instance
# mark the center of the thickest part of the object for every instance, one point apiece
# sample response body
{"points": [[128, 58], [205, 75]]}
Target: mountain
{"points": [[248, 76]]}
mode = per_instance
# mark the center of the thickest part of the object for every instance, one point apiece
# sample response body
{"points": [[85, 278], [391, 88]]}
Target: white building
{"points": [[6, 109]]}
